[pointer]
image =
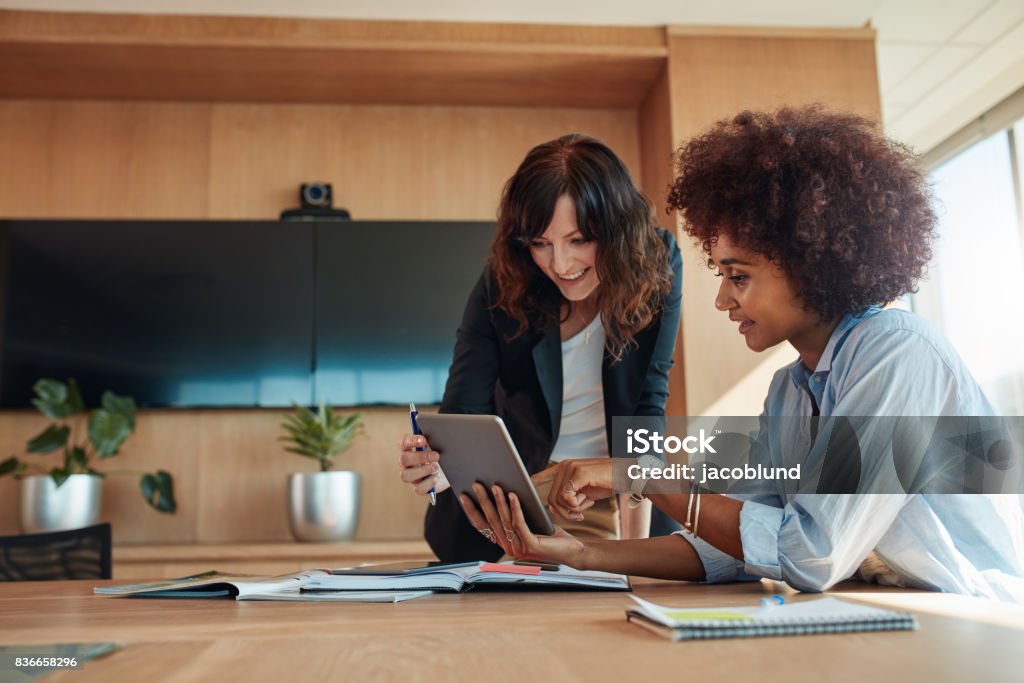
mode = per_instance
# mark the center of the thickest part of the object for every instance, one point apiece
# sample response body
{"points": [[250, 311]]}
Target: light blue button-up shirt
{"points": [[880, 363]]}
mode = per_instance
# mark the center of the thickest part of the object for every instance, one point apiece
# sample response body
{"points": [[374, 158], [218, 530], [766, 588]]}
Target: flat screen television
{"points": [[235, 313]]}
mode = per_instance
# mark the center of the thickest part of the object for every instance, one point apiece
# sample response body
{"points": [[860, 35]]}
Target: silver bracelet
{"points": [[689, 510], [696, 517], [692, 521]]}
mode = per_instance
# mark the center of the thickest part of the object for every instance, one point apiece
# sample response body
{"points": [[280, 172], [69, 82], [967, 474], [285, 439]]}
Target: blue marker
{"points": [[416, 430], [772, 601]]}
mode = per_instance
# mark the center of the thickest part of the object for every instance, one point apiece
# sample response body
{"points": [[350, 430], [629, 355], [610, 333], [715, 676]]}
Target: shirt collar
{"points": [[815, 381]]}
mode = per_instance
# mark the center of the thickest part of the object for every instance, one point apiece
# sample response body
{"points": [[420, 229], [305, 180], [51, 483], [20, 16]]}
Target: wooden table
{"points": [[479, 636]]}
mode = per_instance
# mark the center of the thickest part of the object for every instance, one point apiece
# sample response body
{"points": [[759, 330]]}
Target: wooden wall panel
{"points": [[26, 177], [103, 159], [244, 470], [387, 162], [656, 153], [715, 77], [242, 474], [88, 159], [657, 146], [163, 440]]}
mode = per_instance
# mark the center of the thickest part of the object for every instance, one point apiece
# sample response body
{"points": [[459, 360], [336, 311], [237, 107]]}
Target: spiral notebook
{"points": [[824, 615]]}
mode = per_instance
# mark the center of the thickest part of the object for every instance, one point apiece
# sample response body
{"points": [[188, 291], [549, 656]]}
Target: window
{"points": [[974, 290]]}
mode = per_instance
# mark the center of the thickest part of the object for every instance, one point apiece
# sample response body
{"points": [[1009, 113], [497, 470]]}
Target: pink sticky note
{"points": [[509, 569]]}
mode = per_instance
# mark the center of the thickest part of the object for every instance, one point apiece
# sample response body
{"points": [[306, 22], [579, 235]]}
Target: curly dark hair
{"points": [[632, 260], [844, 211]]}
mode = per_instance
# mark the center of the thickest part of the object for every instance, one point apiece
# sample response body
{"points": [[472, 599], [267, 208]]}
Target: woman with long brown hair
{"points": [[573, 320]]}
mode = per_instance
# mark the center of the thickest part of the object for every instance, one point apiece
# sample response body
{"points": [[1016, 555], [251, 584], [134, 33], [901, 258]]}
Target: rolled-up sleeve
{"points": [[813, 542], [719, 567], [759, 531], [816, 540]]}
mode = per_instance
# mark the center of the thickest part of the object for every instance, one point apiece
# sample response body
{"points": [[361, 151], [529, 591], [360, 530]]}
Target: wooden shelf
{"points": [[218, 59]]}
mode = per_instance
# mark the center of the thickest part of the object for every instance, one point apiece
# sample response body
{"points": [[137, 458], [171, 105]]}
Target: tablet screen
{"points": [[478, 448]]}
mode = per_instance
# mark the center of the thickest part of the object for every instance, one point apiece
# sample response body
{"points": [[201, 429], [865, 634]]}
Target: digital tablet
{"points": [[478, 448]]}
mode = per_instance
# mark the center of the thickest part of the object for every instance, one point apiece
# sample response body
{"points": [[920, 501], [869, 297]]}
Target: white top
{"points": [[582, 434]]}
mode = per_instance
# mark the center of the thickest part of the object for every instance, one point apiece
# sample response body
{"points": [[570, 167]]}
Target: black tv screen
{"points": [[389, 299], [235, 314]]}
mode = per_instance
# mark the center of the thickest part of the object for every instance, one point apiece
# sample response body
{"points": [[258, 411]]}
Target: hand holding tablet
{"points": [[419, 465], [477, 449], [494, 510]]}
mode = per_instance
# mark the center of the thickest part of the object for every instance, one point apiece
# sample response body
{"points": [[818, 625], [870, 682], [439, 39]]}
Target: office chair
{"points": [[74, 554]]}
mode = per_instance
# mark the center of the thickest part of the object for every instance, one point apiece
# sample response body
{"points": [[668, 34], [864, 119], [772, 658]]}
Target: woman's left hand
{"points": [[500, 518]]}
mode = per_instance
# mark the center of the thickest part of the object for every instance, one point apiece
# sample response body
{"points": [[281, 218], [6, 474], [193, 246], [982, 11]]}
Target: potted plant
{"points": [[324, 505], [68, 495]]}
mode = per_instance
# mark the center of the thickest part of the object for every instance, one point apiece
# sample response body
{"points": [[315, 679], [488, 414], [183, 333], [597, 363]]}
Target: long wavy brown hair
{"points": [[632, 261]]}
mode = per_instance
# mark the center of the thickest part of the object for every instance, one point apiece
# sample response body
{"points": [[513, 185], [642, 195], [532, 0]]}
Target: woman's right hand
{"points": [[576, 485], [420, 468]]}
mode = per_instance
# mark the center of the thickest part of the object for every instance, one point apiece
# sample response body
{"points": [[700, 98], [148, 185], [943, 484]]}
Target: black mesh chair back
{"points": [[74, 554]]}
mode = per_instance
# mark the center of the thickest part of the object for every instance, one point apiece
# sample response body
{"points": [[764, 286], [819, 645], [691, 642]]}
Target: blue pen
{"points": [[773, 601], [416, 430]]}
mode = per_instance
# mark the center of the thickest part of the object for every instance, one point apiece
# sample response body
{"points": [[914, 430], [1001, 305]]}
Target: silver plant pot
{"points": [[324, 506], [44, 506]]}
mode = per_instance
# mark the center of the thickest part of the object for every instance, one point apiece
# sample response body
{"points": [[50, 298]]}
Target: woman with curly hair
{"points": [[814, 221], [573, 320]]}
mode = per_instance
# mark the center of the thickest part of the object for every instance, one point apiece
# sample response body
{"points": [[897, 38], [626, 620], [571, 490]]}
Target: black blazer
{"points": [[521, 380]]}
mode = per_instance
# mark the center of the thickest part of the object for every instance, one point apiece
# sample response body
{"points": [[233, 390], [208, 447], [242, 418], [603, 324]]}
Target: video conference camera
{"points": [[316, 202]]}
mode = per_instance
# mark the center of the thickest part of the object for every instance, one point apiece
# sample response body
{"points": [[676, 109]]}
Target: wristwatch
{"points": [[636, 487]]}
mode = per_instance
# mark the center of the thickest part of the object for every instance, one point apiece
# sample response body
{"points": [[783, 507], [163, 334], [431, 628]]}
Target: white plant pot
{"points": [[44, 506], [324, 506]]}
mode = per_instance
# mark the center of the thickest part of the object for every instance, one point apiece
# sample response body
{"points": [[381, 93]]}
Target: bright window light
{"points": [[975, 289]]}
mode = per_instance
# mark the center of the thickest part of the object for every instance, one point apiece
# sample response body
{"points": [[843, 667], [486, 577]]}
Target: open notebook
{"points": [[824, 615], [287, 587], [456, 578]]}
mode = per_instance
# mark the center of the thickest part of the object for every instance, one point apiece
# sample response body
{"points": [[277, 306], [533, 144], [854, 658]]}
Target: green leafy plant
{"points": [[321, 435], [106, 429]]}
